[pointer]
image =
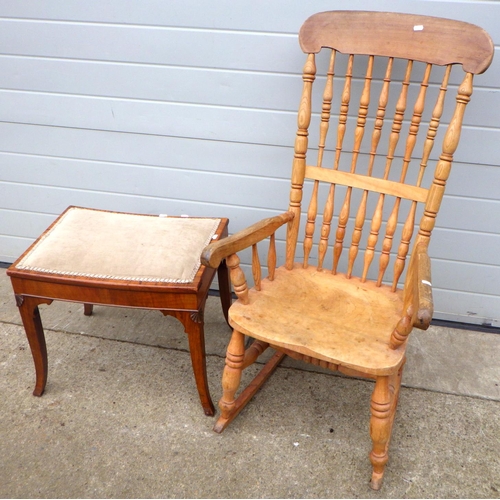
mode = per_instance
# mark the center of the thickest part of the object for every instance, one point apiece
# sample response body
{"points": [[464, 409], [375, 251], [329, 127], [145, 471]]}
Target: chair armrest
{"points": [[213, 254], [423, 301]]}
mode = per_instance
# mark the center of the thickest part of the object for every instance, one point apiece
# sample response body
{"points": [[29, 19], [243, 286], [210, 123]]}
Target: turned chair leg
{"points": [[231, 378], [380, 428], [30, 315], [394, 387]]}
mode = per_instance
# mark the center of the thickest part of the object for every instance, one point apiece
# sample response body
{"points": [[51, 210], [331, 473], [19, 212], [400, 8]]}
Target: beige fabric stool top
{"points": [[99, 244]]}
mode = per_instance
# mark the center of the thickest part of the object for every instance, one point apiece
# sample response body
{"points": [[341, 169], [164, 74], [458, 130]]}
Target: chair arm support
{"points": [[418, 304], [213, 254], [424, 301]]}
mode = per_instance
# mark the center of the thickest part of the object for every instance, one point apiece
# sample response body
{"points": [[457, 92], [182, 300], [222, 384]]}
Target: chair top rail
{"points": [[420, 38]]}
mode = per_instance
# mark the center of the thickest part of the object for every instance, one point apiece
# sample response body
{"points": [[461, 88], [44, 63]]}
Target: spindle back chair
{"points": [[343, 306]]}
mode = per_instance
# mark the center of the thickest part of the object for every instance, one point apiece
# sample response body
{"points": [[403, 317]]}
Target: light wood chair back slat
{"points": [[382, 171]]}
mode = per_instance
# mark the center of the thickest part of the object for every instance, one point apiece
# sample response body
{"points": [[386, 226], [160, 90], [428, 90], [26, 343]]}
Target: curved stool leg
{"points": [[193, 326], [196, 336], [30, 315]]}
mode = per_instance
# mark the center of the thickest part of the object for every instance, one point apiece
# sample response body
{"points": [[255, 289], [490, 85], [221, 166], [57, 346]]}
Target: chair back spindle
{"points": [[271, 257], [393, 142], [377, 132], [361, 214], [344, 214], [256, 267], [325, 123]]}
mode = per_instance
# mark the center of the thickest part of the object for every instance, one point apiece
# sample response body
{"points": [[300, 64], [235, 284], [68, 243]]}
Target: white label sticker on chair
{"points": [[418, 27]]}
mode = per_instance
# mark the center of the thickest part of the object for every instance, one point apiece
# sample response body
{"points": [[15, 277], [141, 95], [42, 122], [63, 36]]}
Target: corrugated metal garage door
{"points": [[190, 107]]}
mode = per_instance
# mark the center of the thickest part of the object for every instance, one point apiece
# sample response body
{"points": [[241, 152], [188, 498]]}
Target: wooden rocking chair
{"points": [[356, 321]]}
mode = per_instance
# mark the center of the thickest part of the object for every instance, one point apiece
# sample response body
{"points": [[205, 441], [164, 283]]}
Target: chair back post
{"points": [[299, 158], [443, 168]]}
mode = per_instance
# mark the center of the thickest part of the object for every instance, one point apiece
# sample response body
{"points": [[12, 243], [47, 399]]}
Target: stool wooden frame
{"points": [[184, 301]]}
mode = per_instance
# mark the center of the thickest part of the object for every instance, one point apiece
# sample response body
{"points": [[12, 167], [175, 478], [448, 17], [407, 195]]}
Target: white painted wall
{"points": [[190, 107]]}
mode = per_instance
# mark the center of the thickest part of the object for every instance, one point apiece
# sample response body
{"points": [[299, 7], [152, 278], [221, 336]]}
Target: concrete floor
{"points": [[121, 418]]}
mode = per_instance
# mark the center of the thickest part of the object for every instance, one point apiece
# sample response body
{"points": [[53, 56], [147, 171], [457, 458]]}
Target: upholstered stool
{"points": [[119, 259]]}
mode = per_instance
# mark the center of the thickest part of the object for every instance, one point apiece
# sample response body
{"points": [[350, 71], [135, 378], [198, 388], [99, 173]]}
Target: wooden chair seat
{"points": [[325, 316]]}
